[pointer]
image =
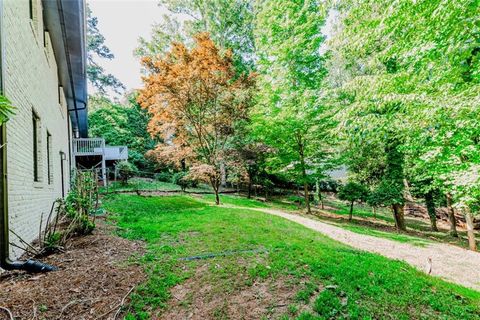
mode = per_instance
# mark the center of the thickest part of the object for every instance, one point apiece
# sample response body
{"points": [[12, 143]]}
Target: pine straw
{"points": [[94, 280]]}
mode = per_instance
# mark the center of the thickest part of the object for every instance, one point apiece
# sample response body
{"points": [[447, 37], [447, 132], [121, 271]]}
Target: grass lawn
{"points": [[320, 278], [240, 201]]}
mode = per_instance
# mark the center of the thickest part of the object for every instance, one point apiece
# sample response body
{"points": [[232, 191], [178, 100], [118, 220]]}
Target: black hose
{"points": [[31, 266]]}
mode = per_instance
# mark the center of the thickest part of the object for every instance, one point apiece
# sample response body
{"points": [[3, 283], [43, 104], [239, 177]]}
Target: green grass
{"points": [[239, 201], [400, 237], [364, 285]]}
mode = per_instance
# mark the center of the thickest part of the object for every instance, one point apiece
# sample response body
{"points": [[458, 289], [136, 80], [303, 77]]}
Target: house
{"points": [[43, 74]]}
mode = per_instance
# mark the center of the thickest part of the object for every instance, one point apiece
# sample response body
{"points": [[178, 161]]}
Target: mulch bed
{"points": [[93, 282]]}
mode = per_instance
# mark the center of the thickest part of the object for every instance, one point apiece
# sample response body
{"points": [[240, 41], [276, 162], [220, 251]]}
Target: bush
{"points": [[183, 180], [296, 199], [126, 170], [164, 176]]}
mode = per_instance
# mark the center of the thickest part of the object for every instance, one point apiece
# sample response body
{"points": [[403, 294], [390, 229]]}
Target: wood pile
{"points": [[420, 211]]}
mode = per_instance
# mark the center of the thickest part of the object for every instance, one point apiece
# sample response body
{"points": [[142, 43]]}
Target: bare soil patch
{"points": [[200, 298], [94, 277]]}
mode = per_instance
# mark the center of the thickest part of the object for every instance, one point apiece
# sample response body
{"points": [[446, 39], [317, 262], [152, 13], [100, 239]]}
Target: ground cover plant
{"points": [[247, 248]]}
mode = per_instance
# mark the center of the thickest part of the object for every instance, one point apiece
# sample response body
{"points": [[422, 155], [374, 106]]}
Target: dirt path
{"points": [[449, 262]]}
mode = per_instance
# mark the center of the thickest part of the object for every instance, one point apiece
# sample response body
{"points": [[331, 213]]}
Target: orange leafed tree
{"points": [[195, 100]]}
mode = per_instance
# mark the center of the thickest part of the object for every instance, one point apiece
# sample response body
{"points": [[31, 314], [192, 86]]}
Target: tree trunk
{"points": [[319, 193], [249, 188], [374, 210], [350, 215], [406, 191], [307, 197], [217, 197], [451, 216], [304, 173], [223, 175], [431, 210], [216, 187], [321, 199], [399, 217], [472, 245]]}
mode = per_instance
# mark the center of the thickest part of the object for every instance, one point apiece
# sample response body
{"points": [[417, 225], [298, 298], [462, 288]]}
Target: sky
{"points": [[122, 22]]}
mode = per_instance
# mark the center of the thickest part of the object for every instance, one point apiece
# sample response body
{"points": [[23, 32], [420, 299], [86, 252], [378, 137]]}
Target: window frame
{"points": [[49, 159], [36, 158]]}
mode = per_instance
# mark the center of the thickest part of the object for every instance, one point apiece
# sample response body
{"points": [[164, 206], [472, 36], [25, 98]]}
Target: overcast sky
{"points": [[122, 22]]}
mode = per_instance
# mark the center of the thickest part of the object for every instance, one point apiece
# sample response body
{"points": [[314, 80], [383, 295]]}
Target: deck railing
{"points": [[116, 153], [88, 146]]}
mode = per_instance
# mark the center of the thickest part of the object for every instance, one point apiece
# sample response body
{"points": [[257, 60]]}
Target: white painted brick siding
{"points": [[31, 84]]}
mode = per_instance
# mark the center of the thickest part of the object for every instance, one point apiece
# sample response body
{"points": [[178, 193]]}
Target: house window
{"points": [[36, 160], [49, 158]]}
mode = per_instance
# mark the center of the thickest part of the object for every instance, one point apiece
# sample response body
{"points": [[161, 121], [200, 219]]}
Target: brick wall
{"points": [[31, 83]]}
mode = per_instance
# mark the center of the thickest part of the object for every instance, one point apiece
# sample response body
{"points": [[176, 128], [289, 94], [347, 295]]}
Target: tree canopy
{"points": [[195, 100]]}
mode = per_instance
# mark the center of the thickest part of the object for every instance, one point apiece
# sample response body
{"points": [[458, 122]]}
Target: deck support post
{"points": [[104, 165], [104, 171]]}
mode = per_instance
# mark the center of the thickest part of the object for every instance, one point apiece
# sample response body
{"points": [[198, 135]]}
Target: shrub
{"points": [[296, 199], [76, 212], [126, 170], [183, 180], [82, 202], [164, 176]]}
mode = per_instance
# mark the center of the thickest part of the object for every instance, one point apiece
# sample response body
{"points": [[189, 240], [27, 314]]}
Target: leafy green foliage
{"points": [[81, 203], [6, 109], [183, 180], [410, 73], [126, 170], [122, 125], [288, 116], [353, 192], [229, 22]]}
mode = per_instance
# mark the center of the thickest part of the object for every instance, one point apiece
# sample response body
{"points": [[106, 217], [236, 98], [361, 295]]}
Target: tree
{"points": [[161, 37], [386, 88], [426, 85], [195, 100], [253, 157], [230, 24], [353, 192], [122, 124], [96, 49], [288, 116]]}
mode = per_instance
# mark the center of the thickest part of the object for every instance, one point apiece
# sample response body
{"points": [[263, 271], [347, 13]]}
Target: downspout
{"points": [[5, 262]]}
